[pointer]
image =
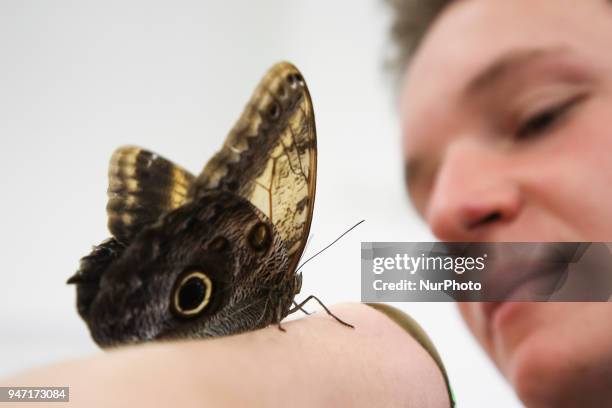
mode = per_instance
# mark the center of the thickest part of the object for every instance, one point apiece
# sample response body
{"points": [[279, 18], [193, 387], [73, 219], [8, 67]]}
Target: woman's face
{"points": [[507, 127]]}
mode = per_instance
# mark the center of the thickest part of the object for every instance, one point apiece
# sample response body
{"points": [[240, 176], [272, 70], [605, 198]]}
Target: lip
{"points": [[518, 281], [499, 314], [522, 281], [521, 285]]}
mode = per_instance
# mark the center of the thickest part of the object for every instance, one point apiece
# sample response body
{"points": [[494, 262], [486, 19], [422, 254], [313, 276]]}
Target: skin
{"points": [[316, 363], [520, 152]]}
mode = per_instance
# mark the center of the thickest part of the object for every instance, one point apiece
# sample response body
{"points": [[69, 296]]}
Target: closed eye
{"points": [[545, 120]]}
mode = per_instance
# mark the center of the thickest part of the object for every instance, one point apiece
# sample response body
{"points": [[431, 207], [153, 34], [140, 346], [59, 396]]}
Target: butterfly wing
{"points": [[270, 156], [142, 187], [165, 222]]}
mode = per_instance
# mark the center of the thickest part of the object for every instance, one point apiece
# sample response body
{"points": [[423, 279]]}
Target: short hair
{"points": [[411, 20]]}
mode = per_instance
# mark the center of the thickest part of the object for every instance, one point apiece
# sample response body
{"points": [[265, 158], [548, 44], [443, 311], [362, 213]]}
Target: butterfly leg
{"points": [[299, 307], [279, 317]]}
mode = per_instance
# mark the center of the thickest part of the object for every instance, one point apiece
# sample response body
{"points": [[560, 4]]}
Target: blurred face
{"points": [[507, 128]]}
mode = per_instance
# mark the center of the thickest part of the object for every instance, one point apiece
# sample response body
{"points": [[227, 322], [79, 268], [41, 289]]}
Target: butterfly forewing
{"points": [[269, 157]]}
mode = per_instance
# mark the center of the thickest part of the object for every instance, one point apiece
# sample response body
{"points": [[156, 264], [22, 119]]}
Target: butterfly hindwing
{"points": [[142, 187], [270, 156]]}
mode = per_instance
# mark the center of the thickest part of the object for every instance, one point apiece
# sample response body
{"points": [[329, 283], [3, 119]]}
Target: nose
{"points": [[473, 195]]}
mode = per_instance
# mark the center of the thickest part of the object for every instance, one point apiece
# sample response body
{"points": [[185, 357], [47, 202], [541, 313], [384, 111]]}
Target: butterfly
{"points": [[213, 254]]}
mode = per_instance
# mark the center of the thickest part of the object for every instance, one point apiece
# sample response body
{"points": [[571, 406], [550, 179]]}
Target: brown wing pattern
{"points": [[270, 156], [142, 187]]}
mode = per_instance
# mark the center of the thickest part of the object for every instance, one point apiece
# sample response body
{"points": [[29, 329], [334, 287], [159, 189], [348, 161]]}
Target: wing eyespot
{"points": [[260, 237], [192, 294]]}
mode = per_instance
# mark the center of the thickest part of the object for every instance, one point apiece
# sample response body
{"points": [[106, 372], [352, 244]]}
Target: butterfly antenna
{"points": [[334, 241]]}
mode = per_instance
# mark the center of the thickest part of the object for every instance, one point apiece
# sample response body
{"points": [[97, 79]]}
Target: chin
{"points": [[551, 369]]}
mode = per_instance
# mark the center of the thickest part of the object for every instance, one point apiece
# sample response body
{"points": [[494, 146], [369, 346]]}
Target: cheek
{"points": [[570, 171]]}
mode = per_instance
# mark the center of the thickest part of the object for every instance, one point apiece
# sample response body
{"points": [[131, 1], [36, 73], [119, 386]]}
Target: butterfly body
{"points": [[210, 255]]}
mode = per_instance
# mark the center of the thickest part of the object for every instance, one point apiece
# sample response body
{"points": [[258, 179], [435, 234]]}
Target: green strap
{"points": [[417, 332]]}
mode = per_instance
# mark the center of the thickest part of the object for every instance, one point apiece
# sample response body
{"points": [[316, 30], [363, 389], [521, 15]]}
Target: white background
{"points": [[78, 79]]}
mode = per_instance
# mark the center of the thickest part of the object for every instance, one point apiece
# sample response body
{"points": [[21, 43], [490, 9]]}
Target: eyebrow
{"points": [[509, 64]]}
